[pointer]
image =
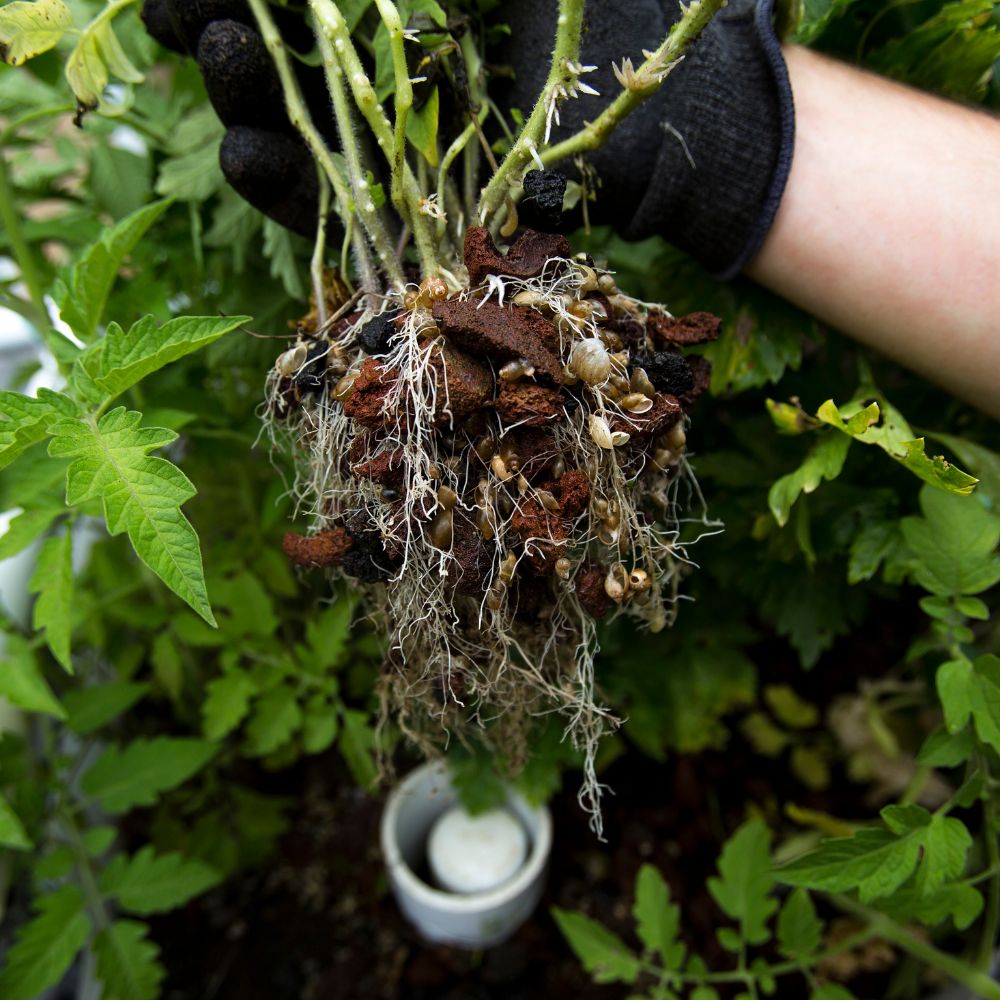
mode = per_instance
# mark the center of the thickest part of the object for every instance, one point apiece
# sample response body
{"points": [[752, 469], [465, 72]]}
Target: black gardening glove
{"points": [[262, 156], [704, 160]]}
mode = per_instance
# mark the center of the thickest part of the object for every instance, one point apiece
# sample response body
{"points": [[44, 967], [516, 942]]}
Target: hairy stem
{"points": [[980, 984], [642, 83], [364, 204], [298, 115], [331, 25], [319, 249], [402, 103], [566, 50], [23, 253]]}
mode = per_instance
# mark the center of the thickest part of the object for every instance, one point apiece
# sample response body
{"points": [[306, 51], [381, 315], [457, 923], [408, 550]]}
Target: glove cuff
{"points": [[731, 112]]}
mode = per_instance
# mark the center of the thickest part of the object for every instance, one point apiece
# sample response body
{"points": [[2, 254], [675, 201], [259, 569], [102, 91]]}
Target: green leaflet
{"points": [[25, 420], [137, 774], [98, 55], [45, 945], [29, 29], [745, 881], [877, 861], [21, 681], [28, 526], [816, 17], [657, 920], [82, 300], [887, 429], [119, 360], [127, 963], [149, 883], [275, 720], [602, 953], [12, 832], [53, 582], [972, 689], [953, 544], [91, 707], [356, 743], [824, 461], [141, 495], [422, 129], [227, 701], [800, 931], [279, 248]]}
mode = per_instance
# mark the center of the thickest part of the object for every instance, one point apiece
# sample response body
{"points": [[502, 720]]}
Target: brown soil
{"points": [[528, 404], [327, 548], [685, 331], [590, 591], [525, 258]]}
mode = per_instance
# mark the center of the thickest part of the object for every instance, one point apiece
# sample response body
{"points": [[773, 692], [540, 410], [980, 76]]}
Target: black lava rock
{"points": [[542, 205], [367, 561], [311, 377], [374, 335], [668, 372]]}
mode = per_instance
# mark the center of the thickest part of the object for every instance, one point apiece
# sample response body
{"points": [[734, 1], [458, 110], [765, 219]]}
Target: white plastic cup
{"points": [[465, 920]]}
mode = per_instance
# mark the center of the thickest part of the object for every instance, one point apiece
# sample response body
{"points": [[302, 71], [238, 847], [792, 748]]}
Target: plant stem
{"points": [[449, 157], [81, 861], [980, 984], [21, 249], [364, 204], [647, 80], [298, 115], [402, 103], [567, 49], [991, 924], [331, 24], [319, 249]]}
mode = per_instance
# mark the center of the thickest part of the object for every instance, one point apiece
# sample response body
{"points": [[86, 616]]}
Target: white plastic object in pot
{"points": [[470, 919]]}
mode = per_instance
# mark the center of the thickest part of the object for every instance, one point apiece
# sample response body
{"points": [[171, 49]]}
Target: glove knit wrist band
{"points": [[727, 146]]}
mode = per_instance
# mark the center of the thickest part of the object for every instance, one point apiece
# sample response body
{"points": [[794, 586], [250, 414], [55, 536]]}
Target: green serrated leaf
{"points": [[127, 963], [604, 955], [275, 720], [29, 29], [82, 301], [422, 129], [12, 832], [127, 358], [956, 687], [800, 931], [279, 248], [743, 890], [98, 54], [824, 461], [21, 680], [319, 726], [94, 706], [137, 774], [150, 883], [26, 528], [886, 428], [141, 495], [657, 919], [944, 749], [357, 742], [25, 420], [53, 582], [46, 945], [227, 700], [953, 544]]}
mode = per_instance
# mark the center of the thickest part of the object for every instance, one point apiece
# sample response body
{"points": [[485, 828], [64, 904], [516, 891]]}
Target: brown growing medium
{"points": [[325, 548], [684, 331], [494, 489]]}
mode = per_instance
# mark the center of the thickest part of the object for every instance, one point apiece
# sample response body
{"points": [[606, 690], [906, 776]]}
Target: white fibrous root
{"points": [[499, 469]]}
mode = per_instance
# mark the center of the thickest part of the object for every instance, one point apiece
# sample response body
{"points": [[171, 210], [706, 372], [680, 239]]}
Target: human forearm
{"points": [[889, 228]]}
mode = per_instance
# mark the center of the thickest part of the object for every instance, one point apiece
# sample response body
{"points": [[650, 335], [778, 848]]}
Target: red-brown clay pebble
{"points": [[324, 549], [694, 328], [590, 591], [528, 404], [525, 258], [367, 399], [665, 413], [535, 449], [385, 469], [541, 532], [573, 492], [463, 384], [502, 333]]}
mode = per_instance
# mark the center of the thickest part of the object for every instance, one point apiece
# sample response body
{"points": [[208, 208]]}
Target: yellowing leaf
{"points": [[29, 29]]}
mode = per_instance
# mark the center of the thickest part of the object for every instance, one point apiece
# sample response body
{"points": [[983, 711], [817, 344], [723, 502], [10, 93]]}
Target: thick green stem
{"points": [[566, 51], [331, 25], [364, 203], [319, 249], [402, 103], [639, 83], [21, 249], [298, 115], [980, 984]]}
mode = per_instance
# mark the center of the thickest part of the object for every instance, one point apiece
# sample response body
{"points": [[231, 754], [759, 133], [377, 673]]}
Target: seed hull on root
{"points": [[501, 475]]}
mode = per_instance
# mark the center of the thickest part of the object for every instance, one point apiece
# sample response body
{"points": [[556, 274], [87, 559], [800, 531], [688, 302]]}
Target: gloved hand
{"points": [[702, 162], [262, 156]]}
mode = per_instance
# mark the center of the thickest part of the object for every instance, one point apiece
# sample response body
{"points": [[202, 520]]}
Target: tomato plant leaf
{"points": [[743, 888], [46, 945], [29, 29], [12, 832], [127, 963], [136, 774], [275, 720], [824, 461], [356, 743], [227, 700], [21, 680], [657, 919], [142, 495], [149, 883], [25, 420], [26, 528], [53, 582], [93, 706], [800, 931], [603, 954]]}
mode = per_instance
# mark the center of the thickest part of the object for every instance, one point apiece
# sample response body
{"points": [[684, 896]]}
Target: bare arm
{"points": [[889, 228]]}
